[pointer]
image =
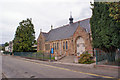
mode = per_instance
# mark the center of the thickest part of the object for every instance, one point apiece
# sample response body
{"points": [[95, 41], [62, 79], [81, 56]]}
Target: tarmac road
{"points": [[20, 68]]}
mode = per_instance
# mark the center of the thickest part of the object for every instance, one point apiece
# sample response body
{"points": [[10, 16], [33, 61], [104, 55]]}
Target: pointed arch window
{"points": [[66, 45], [57, 45]]}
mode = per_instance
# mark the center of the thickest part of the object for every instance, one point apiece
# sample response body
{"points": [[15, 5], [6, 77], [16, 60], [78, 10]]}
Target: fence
{"points": [[107, 58], [35, 55], [7, 53], [101, 56]]}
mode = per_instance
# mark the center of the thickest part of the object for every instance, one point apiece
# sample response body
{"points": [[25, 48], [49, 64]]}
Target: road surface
{"points": [[13, 67]]}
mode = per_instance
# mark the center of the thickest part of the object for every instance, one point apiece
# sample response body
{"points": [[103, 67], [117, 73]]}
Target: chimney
{"points": [[51, 27], [40, 30]]}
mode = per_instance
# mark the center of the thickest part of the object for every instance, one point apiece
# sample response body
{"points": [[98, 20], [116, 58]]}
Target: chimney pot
{"points": [[51, 27], [40, 30]]}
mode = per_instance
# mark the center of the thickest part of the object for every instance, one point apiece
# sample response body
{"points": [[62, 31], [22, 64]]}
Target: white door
{"points": [[80, 46]]}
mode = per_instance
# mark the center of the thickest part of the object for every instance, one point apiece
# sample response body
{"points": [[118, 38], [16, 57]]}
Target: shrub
{"points": [[40, 51], [85, 58]]}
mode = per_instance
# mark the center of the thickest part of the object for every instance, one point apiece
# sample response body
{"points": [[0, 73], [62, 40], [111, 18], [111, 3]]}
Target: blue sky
{"points": [[44, 13]]}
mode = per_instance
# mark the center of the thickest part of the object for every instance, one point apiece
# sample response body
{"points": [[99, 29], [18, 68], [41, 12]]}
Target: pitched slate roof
{"points": [[66, 31], [45, 34]]}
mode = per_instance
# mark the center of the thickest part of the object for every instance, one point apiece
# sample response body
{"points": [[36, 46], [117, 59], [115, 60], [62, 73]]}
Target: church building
{"points": [[71, 39]]}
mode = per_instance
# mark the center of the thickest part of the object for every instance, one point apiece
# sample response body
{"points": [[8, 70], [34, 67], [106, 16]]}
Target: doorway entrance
{"points": [[80, 46]]}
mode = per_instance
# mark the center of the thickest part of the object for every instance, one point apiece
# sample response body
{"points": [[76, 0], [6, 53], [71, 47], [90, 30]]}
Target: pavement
{"points": [[93, 65], [29, 68]]}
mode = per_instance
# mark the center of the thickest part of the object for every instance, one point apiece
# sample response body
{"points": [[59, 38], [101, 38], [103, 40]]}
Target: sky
{"points": [[44, 13]]}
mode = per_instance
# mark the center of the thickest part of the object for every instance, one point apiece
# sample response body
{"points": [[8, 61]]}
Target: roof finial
{"points": [[51, 27], [70, 14], [40, 30], [71, 19]]}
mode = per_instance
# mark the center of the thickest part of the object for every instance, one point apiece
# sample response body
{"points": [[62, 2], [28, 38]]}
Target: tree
{"points": [[35, 42], [114, 10], [105, 28], [0, 47], [3, 47], [24, 37], [6, 44]]}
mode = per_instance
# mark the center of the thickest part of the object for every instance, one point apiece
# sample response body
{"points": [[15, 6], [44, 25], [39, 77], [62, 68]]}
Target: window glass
{"points": [[63, 45], [57, 45], [66, 45], [53, 45], [47, 46]]}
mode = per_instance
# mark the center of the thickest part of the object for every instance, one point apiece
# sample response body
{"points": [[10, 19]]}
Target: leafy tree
{"points": [[0, 47], [6, 44], [105, 28], [3, 47], [114, 10], [24, 37], [35, 42]]}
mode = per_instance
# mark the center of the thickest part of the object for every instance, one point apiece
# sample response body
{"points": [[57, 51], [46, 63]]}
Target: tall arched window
{"points": [[63, 45], [66, 45], [53, 45], [57, 45]]}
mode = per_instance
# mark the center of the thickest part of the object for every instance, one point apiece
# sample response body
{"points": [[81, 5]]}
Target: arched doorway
{"points": [[80, 44]]}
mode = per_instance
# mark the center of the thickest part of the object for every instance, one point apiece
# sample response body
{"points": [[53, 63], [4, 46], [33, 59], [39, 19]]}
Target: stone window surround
{"points": [[47, 46]]}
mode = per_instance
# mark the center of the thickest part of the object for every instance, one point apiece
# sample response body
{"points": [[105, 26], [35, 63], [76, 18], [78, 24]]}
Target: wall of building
{"points": [[7, 48], [41, 43], [59, 50], [80, 32], [71, 43]]}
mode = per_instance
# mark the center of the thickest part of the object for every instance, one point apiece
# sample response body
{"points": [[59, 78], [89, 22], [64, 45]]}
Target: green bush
{"points": [[85, 58]]}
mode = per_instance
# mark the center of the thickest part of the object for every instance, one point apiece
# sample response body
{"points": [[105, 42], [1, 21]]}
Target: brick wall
{"points": [[41, 43], [60, 51], [80, 32], [72, 48]]}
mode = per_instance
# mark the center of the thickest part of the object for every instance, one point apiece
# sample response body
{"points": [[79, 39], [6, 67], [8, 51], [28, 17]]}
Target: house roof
{"points": [[45, 34], [66, 31]]}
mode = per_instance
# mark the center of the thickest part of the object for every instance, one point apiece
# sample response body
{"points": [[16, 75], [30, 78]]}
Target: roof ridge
{"points": [[69, 24], [65, 31], [82, 20], [44, 32]]}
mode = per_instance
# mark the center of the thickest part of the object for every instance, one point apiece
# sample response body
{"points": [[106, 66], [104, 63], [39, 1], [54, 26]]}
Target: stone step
{"points": [[68, 59]]}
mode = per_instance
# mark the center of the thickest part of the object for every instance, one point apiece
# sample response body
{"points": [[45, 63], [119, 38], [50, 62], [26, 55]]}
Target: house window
{"points": [[63, 45], [40, 45], [47, 46], [72, 40], [53, 45], [77, 45], [66, 45], [57, 45]]}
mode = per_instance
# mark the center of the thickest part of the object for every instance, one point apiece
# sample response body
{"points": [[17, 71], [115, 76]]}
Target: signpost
{"points": [[51, 52]]}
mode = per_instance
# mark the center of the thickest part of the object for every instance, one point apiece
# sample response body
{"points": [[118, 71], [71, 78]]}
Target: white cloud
{"points": [[44, 13]]}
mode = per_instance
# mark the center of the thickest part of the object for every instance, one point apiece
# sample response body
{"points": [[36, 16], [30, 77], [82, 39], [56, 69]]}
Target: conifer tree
{"points": [[24, 37], [105, 28]]}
